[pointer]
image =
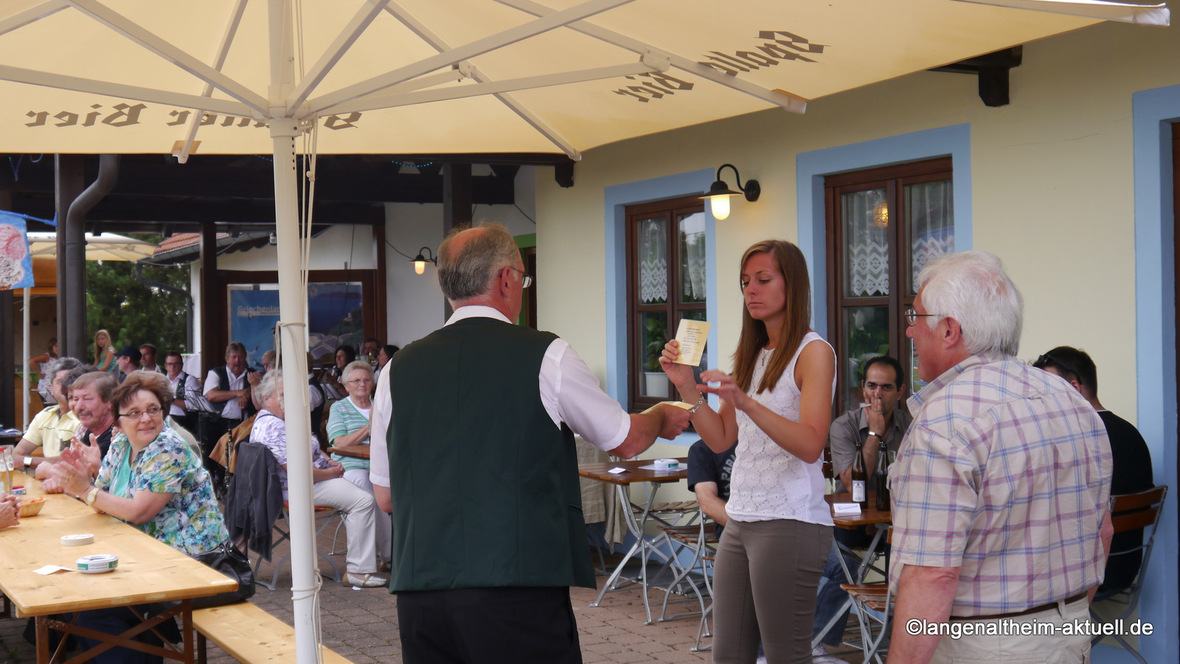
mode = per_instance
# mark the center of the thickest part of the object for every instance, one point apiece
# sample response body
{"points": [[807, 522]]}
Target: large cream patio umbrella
{"points": [[443, 76]]}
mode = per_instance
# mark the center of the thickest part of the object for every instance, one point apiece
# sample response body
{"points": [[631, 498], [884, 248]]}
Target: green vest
{"points": [[484, 486]]}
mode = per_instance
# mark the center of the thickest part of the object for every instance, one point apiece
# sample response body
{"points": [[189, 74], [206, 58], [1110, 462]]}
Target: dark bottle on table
{"points": [[881, 478], [859, 478]]}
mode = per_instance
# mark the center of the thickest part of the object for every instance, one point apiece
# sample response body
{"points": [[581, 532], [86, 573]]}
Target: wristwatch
{"points": [[874, 434], [91, 495], [28, 462]]}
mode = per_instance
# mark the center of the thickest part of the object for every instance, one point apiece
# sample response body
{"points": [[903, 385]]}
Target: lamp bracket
{"points": [[752, 189]]}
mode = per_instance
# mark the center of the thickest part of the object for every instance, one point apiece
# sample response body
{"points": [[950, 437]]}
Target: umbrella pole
{"points": [[25, 368], [292, 304]]}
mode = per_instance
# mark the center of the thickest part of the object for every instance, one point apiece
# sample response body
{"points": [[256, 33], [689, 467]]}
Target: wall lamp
{"points": [[720, 193], [420, 261]]}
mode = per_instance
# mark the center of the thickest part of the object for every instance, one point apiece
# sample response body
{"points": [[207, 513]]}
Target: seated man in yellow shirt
{"points": [[52, 428]]}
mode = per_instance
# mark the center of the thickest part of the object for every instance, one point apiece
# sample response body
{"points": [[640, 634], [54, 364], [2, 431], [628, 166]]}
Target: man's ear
{"points": [[952, 334]]}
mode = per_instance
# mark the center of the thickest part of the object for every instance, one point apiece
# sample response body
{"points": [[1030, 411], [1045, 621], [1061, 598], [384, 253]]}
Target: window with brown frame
{"points": [[884, 225], [666, 281]]}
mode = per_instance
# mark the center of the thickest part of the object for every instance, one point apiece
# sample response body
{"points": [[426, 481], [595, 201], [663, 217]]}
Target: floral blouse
{"points": [[191, 521]]}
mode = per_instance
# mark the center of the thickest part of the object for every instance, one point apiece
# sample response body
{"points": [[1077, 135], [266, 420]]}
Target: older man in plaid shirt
{"points": [[1000, 487]]}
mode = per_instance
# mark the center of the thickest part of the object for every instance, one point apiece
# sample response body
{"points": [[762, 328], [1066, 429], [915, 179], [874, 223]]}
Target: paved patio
{"points": [[362, 625]]}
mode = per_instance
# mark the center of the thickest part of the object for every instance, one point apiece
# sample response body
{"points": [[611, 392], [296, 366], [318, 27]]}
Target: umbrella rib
{"points": [[439, 44], [1109, 11], [162, 48], [490, 43], [781, 98], [483, 89], [364, 16], [138, 93], [31, 15], [194, 123]]}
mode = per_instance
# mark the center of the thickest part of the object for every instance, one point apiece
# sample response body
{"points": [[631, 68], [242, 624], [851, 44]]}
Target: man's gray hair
{"points": [[62, 364], [973, 288], [467, 270], [269, 385]]}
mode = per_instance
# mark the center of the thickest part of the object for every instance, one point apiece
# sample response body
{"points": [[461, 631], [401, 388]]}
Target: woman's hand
{"points": [[727, 389], [680, 374]]}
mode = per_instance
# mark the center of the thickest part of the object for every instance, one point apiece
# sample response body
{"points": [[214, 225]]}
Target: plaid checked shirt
{"points": [[1005, 473]]}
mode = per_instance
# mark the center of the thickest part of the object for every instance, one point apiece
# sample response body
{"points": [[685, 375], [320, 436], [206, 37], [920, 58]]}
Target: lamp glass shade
{"points": [[720, 207], [419, 266]]}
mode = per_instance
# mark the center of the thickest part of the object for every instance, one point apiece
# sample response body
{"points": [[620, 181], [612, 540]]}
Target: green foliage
{"points": [[655, 335], [133, 312]]}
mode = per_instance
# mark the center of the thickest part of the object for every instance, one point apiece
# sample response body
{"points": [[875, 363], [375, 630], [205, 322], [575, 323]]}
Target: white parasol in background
{"points": [[104, 247]]}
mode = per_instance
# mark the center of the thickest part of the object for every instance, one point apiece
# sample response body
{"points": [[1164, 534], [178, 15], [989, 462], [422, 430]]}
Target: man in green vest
{"points": [[473, 453]]}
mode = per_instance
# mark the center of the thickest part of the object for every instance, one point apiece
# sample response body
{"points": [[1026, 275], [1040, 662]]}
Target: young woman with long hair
{"points": [[777, 406]]}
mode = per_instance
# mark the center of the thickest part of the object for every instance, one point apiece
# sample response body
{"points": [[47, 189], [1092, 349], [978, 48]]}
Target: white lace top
{"points": [[769, 482]]}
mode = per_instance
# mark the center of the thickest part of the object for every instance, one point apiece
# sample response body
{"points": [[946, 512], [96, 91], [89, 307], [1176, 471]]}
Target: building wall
{"points": [[415, 302], [1054, 185]]}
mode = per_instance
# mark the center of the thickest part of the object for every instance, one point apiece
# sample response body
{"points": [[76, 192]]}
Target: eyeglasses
{"points": [[526, 280], [358, 381], [152, 412], [912, 315]]}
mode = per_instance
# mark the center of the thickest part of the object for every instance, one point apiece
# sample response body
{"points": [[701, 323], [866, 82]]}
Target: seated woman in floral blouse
{"points": [[151, 479]]}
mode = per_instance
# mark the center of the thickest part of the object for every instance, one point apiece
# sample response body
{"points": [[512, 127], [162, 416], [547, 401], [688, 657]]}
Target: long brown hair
{"points": [[796, 322]]}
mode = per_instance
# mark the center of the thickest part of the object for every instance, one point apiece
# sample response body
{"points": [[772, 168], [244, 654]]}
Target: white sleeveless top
{"points": [[769, 482]]}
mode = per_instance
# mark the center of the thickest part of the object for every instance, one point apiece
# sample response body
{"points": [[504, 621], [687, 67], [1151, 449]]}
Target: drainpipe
{"points": [[188, 302], [75, 254]]}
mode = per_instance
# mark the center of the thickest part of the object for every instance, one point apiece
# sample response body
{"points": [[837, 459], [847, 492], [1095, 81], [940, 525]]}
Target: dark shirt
{"points": [[705, 465], [1132, 473], [103, 439]]}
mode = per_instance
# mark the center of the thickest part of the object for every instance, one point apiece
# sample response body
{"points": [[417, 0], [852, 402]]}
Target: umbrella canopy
{"points": [[436, 76], [440, 76], [105, 247]]}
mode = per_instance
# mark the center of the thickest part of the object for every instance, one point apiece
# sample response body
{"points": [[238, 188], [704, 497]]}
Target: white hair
{"points": [[973, 288]]}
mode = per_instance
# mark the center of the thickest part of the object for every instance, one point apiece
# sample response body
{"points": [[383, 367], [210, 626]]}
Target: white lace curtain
{"points": [[653, 261], [930, 218], [692, 258], [932, 222], [866, 241]]}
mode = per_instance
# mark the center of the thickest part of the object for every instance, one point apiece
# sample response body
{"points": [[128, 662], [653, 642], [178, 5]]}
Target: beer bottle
{"points": [[859, 478], [881, 478]]}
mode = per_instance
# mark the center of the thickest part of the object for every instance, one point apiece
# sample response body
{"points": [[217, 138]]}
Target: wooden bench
{"points": [[249, 634]]}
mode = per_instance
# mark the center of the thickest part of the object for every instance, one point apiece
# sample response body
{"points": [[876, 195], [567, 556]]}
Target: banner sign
{"points": [[16, 265]]}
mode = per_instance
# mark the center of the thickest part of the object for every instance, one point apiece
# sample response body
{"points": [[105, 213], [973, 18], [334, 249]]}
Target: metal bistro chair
{"points": [[285, 533], [694, 540], [873, 602], [1131, 512]]}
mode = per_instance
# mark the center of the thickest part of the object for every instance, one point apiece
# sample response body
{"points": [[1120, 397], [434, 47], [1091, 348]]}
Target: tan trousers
{"points": [[1049, 642]]}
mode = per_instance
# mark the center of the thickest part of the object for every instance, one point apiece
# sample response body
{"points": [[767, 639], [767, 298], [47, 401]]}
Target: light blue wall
{"points": [[811, 167], [1155, 350], [617, 198]]}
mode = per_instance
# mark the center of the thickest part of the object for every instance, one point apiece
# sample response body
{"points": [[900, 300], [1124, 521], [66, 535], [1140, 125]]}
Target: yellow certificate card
{"points": [[678, 404], [692, 335]]}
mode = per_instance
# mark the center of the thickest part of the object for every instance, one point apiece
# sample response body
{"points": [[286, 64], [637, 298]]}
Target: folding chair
{"points": [[703, 629], [695, 540], [285, 535], [874, 606], [271, 494], [1131, 512]]}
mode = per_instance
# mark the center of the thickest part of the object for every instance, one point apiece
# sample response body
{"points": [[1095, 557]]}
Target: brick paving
{"points": [[361, 625]]}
